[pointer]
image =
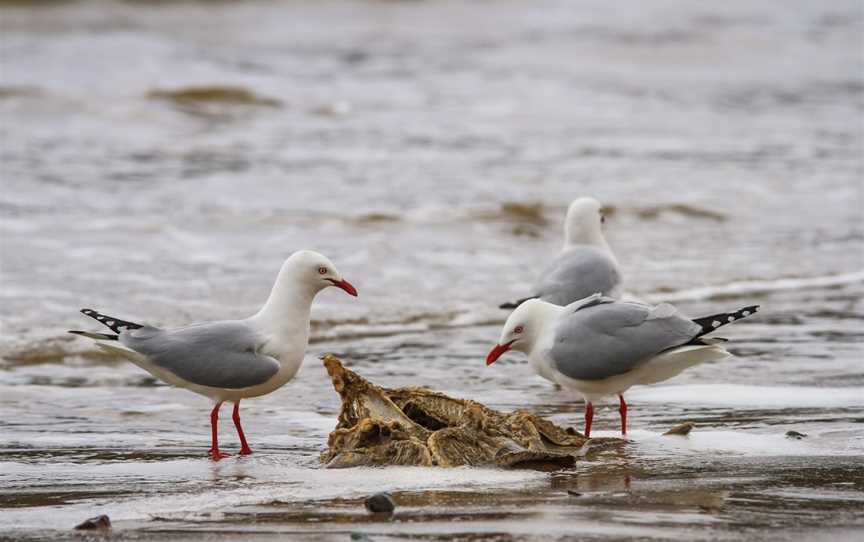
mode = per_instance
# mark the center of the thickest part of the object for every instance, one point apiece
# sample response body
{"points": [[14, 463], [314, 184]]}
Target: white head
{"points": [[523, 328], [313, 270], [583, 225]]}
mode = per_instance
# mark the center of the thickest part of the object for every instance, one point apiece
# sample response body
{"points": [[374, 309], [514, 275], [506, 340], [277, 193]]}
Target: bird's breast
{"points": [[289, 351], [542, 364]]}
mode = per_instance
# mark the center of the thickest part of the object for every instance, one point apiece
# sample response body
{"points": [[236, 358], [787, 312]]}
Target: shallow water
{"points": [[430, 148]]}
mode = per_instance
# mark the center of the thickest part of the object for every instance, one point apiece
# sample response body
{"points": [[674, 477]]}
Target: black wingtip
{"points": [[97, 336], [710, 323], [115, 324]]}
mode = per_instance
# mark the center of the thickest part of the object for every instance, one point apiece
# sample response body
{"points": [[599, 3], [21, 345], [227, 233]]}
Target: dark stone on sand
{"points": [[380, 503], [98, 522], [795, 435], [573, 493], [681, 429]]}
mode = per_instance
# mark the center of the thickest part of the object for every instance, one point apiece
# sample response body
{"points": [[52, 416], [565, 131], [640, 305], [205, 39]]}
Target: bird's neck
{"points": [[287, 311], [580, 236], [583, 238], [544, 323]]}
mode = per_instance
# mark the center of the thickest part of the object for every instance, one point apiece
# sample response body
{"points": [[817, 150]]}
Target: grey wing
{"points": [[218, 354], [609, 339], [578, 273]]}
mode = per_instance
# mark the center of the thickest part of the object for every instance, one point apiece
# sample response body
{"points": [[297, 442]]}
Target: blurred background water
{"points": [[159, 161]]}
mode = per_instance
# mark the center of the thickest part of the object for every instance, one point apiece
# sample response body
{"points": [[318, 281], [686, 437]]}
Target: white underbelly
{"points": [[286, 373], [594, 390]]}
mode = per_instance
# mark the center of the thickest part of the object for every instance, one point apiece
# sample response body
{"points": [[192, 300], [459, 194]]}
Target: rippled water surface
{"points": [[160, 162]]}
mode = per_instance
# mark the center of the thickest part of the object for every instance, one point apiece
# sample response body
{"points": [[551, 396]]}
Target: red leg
{"points": [[215, 454], [244, 447], [589, 417], [622, 409]]}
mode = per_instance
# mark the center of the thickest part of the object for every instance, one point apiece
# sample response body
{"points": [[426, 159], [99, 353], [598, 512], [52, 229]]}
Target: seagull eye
{"points": [[322, 270], [518, 329]]}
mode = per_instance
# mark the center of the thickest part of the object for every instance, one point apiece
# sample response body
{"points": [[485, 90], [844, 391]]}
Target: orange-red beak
{"points": [[496, 352], [345, 285]]}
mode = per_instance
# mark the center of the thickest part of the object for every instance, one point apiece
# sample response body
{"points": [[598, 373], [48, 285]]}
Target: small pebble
{"points": [[98, 522], [795, 435], [573, 493], [380, 503]]}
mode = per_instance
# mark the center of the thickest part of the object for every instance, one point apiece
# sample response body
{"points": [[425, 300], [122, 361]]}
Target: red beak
{"points": [[345, 285], [496, 352]]}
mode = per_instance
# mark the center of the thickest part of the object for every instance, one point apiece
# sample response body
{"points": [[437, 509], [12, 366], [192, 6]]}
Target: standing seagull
{"points": [[597, 346], [231, 360], [585, 264]]}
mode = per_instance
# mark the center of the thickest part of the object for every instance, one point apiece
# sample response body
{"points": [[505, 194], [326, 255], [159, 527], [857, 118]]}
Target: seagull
{"points": [[585, 264], [230, 360], [598, 346]]}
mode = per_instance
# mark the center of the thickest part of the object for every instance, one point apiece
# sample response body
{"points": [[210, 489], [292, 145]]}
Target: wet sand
{"points": [[110, 442]]}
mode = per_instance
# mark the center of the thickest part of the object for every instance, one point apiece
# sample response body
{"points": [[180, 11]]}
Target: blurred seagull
{"points": [[231, 360], [598, 347], [585, 264]]}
